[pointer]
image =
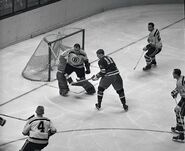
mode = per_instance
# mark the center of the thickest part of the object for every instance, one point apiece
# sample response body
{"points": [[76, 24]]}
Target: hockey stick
{"points": [[139, 60], [74, 83], [17, 118]]}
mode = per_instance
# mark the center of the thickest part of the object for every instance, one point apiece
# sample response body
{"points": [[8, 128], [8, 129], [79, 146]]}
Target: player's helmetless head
{"points": [[176, 73], [100, 53], [40, 110], [150, 26], [76, 47]]}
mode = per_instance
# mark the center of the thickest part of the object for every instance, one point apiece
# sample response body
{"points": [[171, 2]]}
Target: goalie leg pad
{"points": [[89, 88], [62, 84]]}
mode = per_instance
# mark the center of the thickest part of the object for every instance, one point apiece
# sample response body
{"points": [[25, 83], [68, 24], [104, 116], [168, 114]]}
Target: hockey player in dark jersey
{"points": [[180, 108], [109, 75], [73, 60], [153, 48]]}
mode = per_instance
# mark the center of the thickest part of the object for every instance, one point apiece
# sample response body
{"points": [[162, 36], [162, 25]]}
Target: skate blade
{"points": [[178, 141], [97, 107]]}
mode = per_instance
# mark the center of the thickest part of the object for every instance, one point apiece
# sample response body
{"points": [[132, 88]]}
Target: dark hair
{"points": [[177, 72], [100, 51], [77, 45], [150, 23]]}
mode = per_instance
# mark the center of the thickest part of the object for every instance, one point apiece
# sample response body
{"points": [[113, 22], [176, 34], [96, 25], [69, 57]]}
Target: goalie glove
{"points": [[174, 93], [95, 77]]}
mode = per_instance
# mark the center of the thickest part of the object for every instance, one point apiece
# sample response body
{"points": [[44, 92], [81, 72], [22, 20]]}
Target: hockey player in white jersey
{"points": [[180, 108], [38, 129], [153, 48]]}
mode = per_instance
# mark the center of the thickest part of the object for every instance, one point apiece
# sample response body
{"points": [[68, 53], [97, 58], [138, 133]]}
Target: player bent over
{"points": [[153, 48], [109, 76], [76, 59], [39, 129], [180, 108]]}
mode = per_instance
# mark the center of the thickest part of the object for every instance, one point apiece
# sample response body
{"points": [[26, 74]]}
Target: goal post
{"points": [[42, 66]]}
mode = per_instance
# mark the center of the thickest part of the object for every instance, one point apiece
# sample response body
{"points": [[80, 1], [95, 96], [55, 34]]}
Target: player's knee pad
{"points": [[100, 90], [121, 91], [146, 57]]}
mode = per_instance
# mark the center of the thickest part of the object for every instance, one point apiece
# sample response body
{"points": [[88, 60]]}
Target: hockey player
{"points": [[39, 129], [109, 75], [75, 59], [153, 48], [62, 83], [180, 108]]}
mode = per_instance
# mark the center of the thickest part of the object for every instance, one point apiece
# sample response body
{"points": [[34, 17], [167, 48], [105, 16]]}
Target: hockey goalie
{"points": [[73, 60]]}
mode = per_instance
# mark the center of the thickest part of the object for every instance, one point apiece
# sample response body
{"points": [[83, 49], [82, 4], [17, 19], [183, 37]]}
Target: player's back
{"points": [[107, 63], [38, 129]]}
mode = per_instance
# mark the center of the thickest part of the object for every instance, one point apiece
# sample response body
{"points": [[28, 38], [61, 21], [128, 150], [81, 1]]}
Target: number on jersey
{"points": [[41, 126]]}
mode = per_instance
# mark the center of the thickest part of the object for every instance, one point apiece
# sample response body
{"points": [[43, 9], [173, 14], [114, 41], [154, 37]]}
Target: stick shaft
{"points": [[139, 60]]}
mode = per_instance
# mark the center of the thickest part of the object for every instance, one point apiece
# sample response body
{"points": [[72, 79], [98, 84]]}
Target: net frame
{"points": [[51, 52]]}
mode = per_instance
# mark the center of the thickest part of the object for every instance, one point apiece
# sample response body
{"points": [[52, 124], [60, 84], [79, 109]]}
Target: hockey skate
{"points": [[179, 138], [174, 130], [147, 67], [154, 63], [64, 92], [97, 106], [125, 107]]}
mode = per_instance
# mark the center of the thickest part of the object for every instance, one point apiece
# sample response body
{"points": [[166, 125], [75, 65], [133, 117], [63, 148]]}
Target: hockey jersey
{"points": [[155, 39], [37, 129], [180, 86], [107, 67], [75, 58]]}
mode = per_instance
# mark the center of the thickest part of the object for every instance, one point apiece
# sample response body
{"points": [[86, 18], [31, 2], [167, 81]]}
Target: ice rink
{"points": [[122, 34]]}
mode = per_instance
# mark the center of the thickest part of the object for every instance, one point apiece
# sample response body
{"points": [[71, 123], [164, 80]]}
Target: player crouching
{"points": [[74, 60]]}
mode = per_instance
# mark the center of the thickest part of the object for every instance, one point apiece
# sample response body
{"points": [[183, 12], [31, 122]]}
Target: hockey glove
{"points": [[95, 77], [145, 49], [174, 94], [50, 133]]}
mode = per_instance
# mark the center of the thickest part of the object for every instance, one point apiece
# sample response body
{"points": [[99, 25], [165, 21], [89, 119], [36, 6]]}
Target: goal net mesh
{"points": [[42, 66]]}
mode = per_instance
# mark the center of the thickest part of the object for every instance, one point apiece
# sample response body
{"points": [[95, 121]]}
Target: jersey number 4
{"points": [[41, 126]]}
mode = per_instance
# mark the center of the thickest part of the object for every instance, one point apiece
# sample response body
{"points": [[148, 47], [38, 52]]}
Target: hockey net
{"points": [[42, 65]]}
